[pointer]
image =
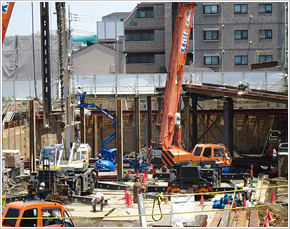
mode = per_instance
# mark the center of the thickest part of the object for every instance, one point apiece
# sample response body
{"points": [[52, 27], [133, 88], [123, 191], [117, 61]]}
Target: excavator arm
{"points": [[7, 8]]}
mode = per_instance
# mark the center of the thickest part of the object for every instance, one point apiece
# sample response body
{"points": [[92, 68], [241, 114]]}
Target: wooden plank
{"points": [[254, 220], [8, 136], [14, 130], [225, 218], [242, 220], [232, 217], [216, 219], [20, 136]]}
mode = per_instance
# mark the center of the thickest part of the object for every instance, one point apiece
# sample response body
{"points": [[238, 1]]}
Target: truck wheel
{"points": [[78, 188], [92, 181]]}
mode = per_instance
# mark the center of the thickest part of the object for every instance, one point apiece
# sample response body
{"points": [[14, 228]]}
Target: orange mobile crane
{"points": [[163, 153], [7, 8]]}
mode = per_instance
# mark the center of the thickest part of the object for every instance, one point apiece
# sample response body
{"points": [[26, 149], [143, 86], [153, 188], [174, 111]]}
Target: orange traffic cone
{"points": [[229, 202], [127, 198], [269, 216], [235, 208], [266, 224], [130, 200], [137, 172], [125, 193], [129, 172], [146, 173], [166, 198], [143, 180], [239, 196], [115, 170], [272, 198], [201, 201], [244, 202]]}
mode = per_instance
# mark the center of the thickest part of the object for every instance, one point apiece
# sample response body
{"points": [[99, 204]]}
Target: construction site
{"points": [[177, 149]]}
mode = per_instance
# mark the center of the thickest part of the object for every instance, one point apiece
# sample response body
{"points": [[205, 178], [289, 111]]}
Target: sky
{"points": [[87, 13]]}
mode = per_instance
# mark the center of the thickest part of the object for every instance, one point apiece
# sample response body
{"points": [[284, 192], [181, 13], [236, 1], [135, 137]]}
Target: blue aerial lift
{"points": [[108, 157]]}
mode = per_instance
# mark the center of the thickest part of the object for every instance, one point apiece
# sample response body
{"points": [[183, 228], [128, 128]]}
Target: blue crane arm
{"points": [[82, 98], [132, 164], [108, 139], [113, 119]]}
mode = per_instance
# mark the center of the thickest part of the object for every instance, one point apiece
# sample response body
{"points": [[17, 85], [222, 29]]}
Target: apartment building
{"points": [[227, 36], [231, 36]]}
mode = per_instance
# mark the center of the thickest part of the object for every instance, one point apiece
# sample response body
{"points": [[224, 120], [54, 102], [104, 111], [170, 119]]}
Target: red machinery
{"points": [[163, 153], [7, 8]]}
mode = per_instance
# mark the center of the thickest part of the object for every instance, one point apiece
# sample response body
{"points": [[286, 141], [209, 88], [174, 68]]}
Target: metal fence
{"points": [[144, 84]]}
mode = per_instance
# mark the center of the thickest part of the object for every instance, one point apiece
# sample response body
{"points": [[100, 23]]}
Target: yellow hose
{"points": [[158, 199]]}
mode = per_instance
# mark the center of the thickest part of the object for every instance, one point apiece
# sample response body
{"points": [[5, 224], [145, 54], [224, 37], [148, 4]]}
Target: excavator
{"points": [[187, 167]]}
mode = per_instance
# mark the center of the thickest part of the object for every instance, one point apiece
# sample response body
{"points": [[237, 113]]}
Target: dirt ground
{"points": [[278, 212]]}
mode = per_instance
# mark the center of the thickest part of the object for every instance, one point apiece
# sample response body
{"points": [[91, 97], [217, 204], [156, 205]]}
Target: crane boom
{"points": [[173, 87], [7, 8]]}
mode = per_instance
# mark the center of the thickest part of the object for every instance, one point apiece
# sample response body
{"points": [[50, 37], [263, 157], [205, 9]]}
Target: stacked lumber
{"points": [[13, 158]]}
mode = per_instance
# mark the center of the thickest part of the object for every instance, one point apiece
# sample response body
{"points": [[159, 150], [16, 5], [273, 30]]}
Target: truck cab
{"points": [[47, 214], [215, 155]]}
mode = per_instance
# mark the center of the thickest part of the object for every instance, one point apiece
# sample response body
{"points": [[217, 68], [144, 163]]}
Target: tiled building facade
{"points": [[228, 37]]}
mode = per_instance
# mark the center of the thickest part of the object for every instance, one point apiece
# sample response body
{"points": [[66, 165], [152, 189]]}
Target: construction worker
{"points": [[98, 199], [79, 93], [79, 90], [41, 192]]}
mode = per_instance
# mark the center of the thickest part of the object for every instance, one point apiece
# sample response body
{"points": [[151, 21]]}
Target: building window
{"points": [[265, 34], [211, 35], [139, 35], [211, 60], [210, 9], [241, 60], [146, 13], [140, 59], [265, 8], [241, 34], [241, 9], [265, 58]]}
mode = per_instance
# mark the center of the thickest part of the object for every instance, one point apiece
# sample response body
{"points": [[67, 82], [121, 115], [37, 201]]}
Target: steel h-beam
{"points": [[32, 136], [149, 121], [137, 128], [186, 122], [119, 130], [45, 59], [194, 120], [228, 119]]}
